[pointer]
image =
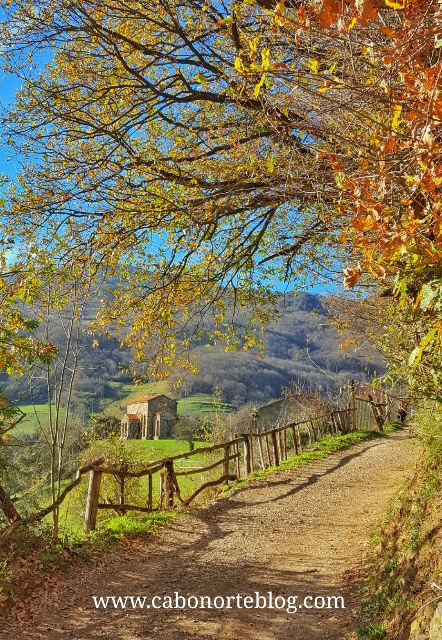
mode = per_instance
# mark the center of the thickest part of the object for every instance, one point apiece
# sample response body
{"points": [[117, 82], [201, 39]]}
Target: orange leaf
{"points": [[389, 145], [329, 13], [351, 276]]}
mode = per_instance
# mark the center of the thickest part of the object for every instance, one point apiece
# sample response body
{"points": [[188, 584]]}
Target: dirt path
{"points": [[300, 532]]}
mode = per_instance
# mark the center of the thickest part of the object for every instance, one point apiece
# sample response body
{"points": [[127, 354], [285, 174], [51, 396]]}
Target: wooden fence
{"points": [[367, 408], [375, 406], [236, 458]]}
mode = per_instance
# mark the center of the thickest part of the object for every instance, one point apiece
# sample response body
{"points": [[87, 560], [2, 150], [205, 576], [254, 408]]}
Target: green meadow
{"points": [[37, 416]]}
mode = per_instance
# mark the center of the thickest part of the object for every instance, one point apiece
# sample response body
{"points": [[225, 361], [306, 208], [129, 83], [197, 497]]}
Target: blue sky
{"points": [[9, 165]]}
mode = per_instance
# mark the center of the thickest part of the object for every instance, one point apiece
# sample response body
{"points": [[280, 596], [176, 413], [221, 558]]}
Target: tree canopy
{"points": [[201, 150]]}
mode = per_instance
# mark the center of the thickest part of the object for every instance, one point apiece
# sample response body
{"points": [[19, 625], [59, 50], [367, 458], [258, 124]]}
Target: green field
{"points": [[156, 449], [150, 450], [201, 405], [36, 415]]}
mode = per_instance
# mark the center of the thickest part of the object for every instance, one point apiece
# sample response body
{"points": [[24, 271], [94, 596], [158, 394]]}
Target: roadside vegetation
{"points": [[403, 588]]}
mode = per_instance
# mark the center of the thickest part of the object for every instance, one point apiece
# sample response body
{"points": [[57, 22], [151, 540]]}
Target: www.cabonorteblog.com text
{"points": [[291, 604]]}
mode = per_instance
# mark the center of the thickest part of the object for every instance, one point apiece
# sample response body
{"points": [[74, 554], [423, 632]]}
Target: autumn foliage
{"points": [[200, 151]]}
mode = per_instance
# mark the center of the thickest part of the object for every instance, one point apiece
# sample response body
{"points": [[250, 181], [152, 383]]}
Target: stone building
{"points": [[150, 418]]}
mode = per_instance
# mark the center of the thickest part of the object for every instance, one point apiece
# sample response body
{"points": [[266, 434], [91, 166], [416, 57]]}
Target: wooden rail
{"points": [[240, 457]]}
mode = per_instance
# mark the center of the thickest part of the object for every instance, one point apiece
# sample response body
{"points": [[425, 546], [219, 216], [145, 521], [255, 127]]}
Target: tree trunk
{"points": [[7, 506]]}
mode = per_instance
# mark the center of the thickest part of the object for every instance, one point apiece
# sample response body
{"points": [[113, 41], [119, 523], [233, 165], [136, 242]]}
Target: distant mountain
{"points": [[300, 348]]}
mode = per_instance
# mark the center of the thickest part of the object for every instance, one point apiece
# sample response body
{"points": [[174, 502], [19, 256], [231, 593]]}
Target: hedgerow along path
{"points": [[302, 531]]}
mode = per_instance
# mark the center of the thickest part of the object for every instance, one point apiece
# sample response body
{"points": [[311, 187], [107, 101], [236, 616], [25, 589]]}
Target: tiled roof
{"points": [[145, 398], [132, 416]]}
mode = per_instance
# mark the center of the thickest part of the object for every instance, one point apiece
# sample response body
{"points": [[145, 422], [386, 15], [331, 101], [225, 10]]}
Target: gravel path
{"points": [[300, 532]]}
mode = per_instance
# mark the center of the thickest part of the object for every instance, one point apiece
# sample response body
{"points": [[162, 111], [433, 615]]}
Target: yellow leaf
{"points": [[259, 85], [397, 110], [314, 65], [253, 44], [397, 5], [265, 56], [239, 65], [352, 24]]}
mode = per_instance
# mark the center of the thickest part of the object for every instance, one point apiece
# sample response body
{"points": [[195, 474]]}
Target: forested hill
{"points": [[299, 347]]}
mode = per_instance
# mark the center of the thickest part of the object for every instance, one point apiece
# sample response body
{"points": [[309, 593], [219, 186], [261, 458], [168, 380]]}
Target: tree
{"points": [[155, 157], [188, 428], [20, 348], [60, 307], [20, 351], [101, 426], [394, 192], [202, 150]]}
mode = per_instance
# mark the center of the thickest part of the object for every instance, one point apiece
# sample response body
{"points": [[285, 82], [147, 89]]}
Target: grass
{"points": [[34, 415], [131, 524], [201, 405], [151, 450]]}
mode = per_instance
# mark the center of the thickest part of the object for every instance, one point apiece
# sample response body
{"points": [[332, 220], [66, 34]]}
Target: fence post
{"points": [[168, 484], [281, 450], [283, 440], [275, 447], [236, 451], [298, 431], [268, 449], [122, 497], [315, 436], [351, 394], [252, 457], [247, 461], [295, 441], [261, 455], [161, 489], [149, 492], [90, 517], [226, 461]]}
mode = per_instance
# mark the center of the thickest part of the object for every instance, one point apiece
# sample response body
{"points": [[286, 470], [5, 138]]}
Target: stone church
{"points": [[150, 418]]}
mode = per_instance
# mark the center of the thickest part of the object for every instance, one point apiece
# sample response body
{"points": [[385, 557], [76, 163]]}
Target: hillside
{"points": [[300, 348]]}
